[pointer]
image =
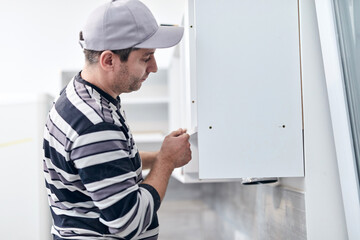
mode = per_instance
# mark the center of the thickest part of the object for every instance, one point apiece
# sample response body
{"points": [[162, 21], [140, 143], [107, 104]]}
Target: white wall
{"points": [[325, 217], [39, 39]]}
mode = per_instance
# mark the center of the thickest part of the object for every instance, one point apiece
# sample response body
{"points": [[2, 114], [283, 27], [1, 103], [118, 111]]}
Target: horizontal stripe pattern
{"points": [[92, 169]]}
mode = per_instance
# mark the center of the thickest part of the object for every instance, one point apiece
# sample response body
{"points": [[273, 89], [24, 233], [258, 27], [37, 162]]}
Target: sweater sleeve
{"points": [[110, 170]]}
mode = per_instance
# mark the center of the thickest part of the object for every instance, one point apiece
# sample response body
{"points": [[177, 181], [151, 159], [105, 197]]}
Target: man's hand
{"points": [[175, 149], [175, 152]]}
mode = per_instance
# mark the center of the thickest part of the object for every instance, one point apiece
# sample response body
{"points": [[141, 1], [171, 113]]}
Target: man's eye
{"points": [[147, 59]]}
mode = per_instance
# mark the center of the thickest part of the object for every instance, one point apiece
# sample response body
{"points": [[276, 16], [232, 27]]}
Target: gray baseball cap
{"points": [[122, 24]]}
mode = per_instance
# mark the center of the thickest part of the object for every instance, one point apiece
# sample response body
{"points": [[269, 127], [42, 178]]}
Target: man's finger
{"points": [[177, 133]]}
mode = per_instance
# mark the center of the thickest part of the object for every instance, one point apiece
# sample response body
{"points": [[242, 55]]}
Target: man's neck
{"points": [[95, 77]]}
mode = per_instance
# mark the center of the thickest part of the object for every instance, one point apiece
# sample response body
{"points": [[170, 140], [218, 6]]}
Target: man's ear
{"points": [[107, 60]]}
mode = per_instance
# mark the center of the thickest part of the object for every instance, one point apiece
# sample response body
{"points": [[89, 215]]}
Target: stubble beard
{"points": [[135, 83], [127, 83]]}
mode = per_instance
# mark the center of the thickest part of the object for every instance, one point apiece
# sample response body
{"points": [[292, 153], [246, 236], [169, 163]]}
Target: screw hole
{"points": [[210, 127], [283, 126]]}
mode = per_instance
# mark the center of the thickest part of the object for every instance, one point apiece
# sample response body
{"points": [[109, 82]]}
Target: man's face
{"points": [[132, 73]]}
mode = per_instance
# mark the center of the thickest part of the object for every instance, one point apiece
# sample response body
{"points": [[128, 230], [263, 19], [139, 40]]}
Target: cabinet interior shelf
{"points": [[153, 137], [141, 101]]}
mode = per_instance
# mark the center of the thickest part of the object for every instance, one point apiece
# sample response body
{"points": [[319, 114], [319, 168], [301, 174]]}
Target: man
{"points": [[91, 163]]}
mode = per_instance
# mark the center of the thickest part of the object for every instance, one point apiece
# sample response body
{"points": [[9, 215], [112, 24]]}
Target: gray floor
{"points": [[183, 215]]}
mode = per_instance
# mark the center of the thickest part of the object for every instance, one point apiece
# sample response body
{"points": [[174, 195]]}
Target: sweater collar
{"points": [[114, 101]]}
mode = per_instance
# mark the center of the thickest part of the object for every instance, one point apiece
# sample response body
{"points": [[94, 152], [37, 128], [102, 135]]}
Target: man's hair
{"points": [[92, 56]]}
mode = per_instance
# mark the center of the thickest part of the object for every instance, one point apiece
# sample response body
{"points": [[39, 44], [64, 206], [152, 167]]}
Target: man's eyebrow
{"points": [[148, 53]]}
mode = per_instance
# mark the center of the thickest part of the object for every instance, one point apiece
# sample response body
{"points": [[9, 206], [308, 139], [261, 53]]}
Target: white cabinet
{"points": [[241, 87]]}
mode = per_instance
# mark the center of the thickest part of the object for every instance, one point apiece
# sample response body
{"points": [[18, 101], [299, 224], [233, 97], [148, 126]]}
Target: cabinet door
{"points": [[248, 80]]}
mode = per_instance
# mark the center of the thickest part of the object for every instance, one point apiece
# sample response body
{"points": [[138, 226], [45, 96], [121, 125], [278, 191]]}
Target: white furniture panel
{"points": [[190, 172], [249, 88], [243, 76], [24, 207]]}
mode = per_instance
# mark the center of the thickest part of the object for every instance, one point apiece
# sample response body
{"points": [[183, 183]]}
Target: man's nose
{"points": [[152, 67]]}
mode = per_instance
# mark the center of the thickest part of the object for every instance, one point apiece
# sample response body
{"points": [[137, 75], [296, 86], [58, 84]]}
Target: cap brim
{"points": [[164, 37]]}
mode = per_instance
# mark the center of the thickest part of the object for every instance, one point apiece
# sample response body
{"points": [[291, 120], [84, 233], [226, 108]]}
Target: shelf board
{"points": [[141, 101], [152, 137], [193, 177]]}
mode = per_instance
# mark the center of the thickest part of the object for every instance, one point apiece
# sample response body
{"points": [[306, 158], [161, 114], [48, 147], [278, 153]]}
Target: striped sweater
{"points": [[93, 169]]}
